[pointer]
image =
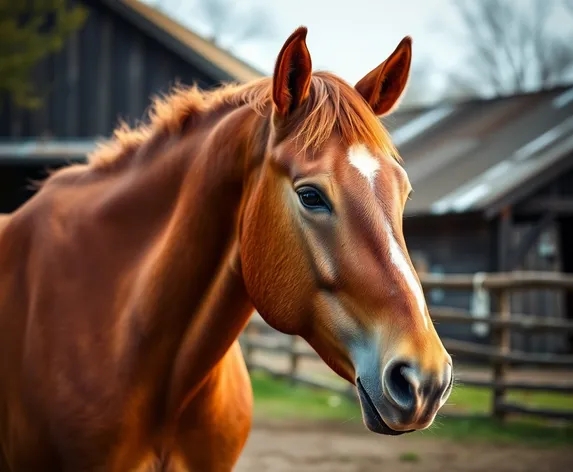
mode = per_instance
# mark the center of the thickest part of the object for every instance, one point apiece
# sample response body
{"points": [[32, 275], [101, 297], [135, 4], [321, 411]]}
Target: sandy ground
{"points": [[301, 447]]}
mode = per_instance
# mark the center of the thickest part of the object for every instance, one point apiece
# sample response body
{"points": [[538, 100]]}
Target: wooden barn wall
{"points": [[551, 252], [466, 244], [565, 244], [543, 256], [456, 244], [106, 71]]}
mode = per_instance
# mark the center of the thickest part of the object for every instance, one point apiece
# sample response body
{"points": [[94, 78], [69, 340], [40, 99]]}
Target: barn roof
{"points": [[484, 154], [39, 151], [184, 42], [476, 156]]}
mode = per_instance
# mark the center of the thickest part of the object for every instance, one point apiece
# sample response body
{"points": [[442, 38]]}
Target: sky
{"points": [[341, 38], [351, 37], [349, 40]]}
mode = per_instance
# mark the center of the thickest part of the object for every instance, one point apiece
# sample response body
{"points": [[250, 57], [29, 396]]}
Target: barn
{"points": [[493, 179], [493, 191], [125, 53]]}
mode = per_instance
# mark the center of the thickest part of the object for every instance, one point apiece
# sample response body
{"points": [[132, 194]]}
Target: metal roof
{"points": [[480, 155], [467, 157]]}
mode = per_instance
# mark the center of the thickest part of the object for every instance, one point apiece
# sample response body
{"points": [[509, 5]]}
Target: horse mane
{"points": [[332, 105]]}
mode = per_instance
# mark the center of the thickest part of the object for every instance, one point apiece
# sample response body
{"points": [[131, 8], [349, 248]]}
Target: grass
{"points": [[409, 457], [281, 400], [478, 400], [511, 432]]}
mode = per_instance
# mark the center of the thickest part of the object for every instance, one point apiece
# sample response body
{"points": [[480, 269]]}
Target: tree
{"points": [[29, 31], [227, 22], [512, 47]]}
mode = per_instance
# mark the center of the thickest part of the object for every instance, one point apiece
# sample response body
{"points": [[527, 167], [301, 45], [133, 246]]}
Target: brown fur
{"points": [[332, 107], [125, 282]]}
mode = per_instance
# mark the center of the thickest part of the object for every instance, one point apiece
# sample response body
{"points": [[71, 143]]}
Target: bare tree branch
{"points": [[511, 48], [228, 22]]}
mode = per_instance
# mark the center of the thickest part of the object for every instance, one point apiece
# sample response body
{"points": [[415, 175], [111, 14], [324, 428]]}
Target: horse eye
{"points": [[312, 199]]}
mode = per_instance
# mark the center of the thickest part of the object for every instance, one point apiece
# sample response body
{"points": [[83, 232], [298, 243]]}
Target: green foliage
{"points": [[29, 31]]}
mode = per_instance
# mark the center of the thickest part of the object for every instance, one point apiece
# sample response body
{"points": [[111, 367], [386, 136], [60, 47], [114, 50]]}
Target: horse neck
{"points": [[193, 299]]}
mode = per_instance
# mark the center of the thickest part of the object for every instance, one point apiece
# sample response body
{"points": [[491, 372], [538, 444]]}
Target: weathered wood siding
{"points": [[106, 71]]}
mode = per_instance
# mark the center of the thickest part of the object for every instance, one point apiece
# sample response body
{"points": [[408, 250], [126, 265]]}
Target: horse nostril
{"points": [[400, 382]]}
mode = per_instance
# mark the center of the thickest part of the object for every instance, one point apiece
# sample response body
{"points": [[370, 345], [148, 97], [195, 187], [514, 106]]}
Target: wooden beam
{"points": [[517, 280], [104, 77], [501, 338], [446, 315], [497, 355], [72, 52], [504, 239], [566, 252], [564, 387], [562, 206], [530, 238], [541, 412]]}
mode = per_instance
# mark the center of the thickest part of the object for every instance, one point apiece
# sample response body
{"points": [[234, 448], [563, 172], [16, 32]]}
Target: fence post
{"points": [[501, 339], [293, 355], [248, 354]]}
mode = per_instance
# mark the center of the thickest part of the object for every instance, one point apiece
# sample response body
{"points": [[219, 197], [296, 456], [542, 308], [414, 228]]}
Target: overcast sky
{"points": [[350, 37], [344, 36]]}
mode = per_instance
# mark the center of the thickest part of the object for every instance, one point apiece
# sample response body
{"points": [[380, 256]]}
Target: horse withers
{"points": [[125, 282]]}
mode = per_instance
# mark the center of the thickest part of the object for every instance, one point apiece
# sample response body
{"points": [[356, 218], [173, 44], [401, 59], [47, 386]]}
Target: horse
{"points": [[126, 280]]}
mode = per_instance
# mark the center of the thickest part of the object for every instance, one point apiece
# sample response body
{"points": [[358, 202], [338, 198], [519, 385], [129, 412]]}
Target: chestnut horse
{"points": [[126, 281]]}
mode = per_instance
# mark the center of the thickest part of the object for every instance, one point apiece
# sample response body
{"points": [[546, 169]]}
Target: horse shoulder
{"points": [[219, 419]]}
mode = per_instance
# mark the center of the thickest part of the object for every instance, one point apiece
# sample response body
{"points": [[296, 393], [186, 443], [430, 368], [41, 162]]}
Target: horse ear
{"points": [[293, 69], [382, 87]]}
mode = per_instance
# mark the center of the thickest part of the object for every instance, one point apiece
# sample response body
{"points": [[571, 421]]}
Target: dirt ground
{"points": [[286, 447]]}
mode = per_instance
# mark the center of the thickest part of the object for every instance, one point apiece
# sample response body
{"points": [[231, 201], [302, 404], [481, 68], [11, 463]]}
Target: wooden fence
{"points": [[497, 355]]}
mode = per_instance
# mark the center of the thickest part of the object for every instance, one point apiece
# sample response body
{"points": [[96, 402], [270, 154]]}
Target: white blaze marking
{"points": [[399, 260], [366, 164]]}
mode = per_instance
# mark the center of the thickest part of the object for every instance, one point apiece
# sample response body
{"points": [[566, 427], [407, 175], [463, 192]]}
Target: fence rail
{"points": [[517, 280], [517, 322], [498, 354]]}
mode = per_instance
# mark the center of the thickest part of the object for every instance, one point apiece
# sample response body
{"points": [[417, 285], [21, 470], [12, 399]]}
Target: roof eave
{"points": [[527, 187], [187, 53]]}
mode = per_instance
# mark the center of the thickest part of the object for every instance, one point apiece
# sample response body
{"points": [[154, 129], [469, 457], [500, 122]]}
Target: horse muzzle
{"points": [[403, 398]]}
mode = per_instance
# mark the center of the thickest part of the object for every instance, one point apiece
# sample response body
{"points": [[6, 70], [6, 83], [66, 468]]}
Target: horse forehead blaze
{"points": [[399, 260], [361, 158], [368, 166]]}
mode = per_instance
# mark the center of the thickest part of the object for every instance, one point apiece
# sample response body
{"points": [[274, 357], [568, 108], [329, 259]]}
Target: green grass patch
{"points": [[278, 399], [512, 431], [409, 457], [478, 400]]}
